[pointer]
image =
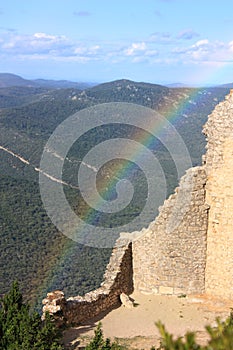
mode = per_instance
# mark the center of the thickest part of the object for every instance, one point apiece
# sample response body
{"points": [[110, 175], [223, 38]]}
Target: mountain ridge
{"points": [[28, 116], [12, 80]]}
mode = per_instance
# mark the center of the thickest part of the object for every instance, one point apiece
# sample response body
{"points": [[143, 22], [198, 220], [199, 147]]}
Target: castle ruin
{"points": [[196, 257]]}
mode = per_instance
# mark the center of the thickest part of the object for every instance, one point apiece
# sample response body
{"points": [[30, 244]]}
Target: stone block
{"points": [[155, 290], [166, 290]]}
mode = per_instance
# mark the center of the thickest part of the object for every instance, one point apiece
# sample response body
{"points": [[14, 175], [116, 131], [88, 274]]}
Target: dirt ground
{"points": [[136, 328]]}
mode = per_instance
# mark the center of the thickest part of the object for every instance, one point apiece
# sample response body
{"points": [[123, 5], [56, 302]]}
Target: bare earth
{"points": [[136, 328]]}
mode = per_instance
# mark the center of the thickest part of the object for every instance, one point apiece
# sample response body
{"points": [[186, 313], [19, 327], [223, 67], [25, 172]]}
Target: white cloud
{"points": [[161, 38], [153, 49], [42, 45], [46, 36], [201, 43], [135, 48], [204, 51], [8, 45], [38, 43], [231, 46], [87, 51], [140, 52]]}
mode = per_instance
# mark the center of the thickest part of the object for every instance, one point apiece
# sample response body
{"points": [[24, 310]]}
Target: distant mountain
{"points": [[198, 86], [9, 80], [32, 249], [124, 90], [228, 86], [63, 84], [177, 85], [126, 84]]}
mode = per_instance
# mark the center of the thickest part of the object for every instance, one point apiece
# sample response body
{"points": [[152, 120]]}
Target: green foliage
{"points": [[222, 335], [32, 250], [99, 343], [19, 96], [221, 338], [21, 330], [31, 247], [169, 343]]}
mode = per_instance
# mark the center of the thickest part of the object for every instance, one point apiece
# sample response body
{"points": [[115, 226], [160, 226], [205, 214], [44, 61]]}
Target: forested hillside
{"points": [[32, 249]]}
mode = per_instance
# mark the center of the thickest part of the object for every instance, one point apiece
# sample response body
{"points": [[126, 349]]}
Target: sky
{"points": [[157, 41]]}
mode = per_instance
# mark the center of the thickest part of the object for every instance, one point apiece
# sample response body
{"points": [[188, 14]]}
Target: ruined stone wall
{"points": [[170, 256], [187, 249], [117, 279], [219, 196], [197, 255]]}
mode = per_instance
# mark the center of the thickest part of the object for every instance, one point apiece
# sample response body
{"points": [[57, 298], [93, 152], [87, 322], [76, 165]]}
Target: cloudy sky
{"points": [[159, 41]]}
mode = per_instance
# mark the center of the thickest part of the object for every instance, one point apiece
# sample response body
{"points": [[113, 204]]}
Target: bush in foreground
{"points": [[21, 330], [221, 338], [99, 343]]}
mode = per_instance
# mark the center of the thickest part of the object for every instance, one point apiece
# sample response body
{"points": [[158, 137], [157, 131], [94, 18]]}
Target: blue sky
{"points": [[159, 41]]}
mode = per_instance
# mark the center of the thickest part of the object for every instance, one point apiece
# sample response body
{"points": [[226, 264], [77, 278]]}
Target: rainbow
{"points": [[174, 114]]}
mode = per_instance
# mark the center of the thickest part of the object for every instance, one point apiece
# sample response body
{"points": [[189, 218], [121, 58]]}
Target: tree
{"points": [[99, 343], [19, 329]]}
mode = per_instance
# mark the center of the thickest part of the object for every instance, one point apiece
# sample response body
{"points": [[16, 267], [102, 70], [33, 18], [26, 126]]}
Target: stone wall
{"points": [[197, 255], [117, 279], [170, 256], [187, 249], [219, 195]]}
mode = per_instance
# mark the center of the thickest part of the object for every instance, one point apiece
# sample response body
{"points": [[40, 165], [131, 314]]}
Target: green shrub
{"points": [[21, 330], [99, 343], [221, 337]]}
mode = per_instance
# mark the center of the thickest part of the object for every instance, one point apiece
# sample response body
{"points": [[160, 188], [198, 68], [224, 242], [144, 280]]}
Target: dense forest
{"points": [[33, 251]]}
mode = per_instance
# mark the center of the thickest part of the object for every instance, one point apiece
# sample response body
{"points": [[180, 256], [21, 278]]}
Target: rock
{"points": [[54, 298], [125, 300]]}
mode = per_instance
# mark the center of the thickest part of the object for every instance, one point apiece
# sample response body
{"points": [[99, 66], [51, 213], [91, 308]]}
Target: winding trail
{"points": [[25, 161], [15, 155], [52, 178]]}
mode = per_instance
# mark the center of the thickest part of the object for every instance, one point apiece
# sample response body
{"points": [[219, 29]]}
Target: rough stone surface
{"points": [[126, 301], [170, 256], [197, 255], [188, 248], [117, 280], [219, 195]]}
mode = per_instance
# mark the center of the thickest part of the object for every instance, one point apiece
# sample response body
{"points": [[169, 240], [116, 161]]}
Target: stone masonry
{"points": [[219, 195], [117, 279], [172, 260], [187, 249]]}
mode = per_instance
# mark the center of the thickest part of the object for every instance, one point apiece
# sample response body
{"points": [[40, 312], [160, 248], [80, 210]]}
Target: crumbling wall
{"points": [[187, 249], [219, 196], [197, 256], [170, 256], [118, 279]]}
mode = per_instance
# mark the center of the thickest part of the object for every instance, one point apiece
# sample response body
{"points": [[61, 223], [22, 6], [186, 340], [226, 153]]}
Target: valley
{"points": [[33, 251]]}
